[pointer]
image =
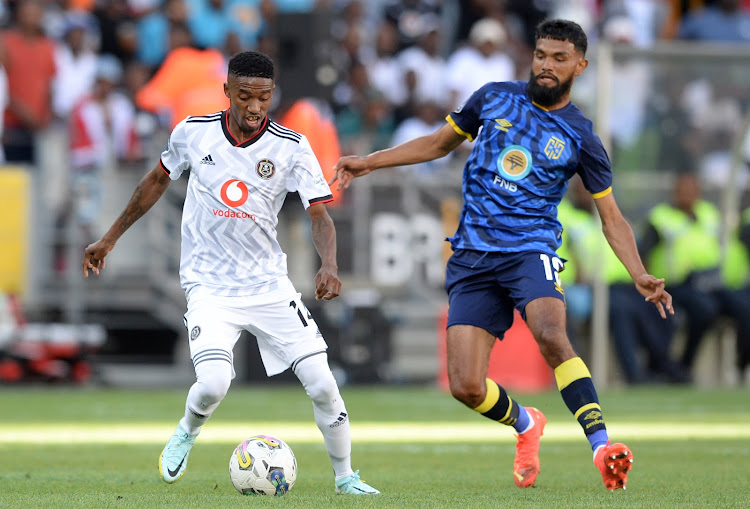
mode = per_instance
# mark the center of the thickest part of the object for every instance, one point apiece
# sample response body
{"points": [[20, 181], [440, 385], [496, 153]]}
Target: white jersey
{"points": [[235, 191]]}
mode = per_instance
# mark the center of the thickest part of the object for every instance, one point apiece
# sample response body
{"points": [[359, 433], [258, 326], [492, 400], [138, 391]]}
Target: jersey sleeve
{"points": [[174, 159], [466, 119], [594, 167], [307, 177]]}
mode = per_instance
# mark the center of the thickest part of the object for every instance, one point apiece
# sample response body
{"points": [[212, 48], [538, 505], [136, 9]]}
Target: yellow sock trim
{"points": [[570, 371], [490, 400], [587, 407], [507, 414]]}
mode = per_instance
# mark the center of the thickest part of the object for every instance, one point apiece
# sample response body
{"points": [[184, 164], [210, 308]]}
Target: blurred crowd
{"points": [[114, 72], [393, 68]]}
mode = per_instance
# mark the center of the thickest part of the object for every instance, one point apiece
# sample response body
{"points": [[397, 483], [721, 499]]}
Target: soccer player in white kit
{"points": [[233, 271]]}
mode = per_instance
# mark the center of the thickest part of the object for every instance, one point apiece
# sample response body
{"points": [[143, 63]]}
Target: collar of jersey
{"points": [[234, 141]]}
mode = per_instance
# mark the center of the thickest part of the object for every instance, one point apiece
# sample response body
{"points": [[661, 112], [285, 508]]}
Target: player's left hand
{"points": [[94, 256], [327, 283], [653, 289]]}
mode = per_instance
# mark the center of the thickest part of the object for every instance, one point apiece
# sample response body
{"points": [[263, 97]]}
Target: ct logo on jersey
{"points": [[514, 163], [234, 193], [554, 148], [265, 169]]}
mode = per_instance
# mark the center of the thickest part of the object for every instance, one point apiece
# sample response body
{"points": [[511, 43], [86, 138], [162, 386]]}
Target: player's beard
{"points": [[547, 96]]}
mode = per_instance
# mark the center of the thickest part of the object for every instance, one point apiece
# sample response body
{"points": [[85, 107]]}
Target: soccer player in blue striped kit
{"points": [[530, 140]]}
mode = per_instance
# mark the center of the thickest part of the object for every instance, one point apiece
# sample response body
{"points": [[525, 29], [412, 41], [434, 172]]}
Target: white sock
{"points": [[329, 411]]}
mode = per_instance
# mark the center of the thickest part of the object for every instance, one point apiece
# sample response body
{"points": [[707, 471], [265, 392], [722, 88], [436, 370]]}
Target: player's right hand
{"points": [[94, 256], [347, 168]]}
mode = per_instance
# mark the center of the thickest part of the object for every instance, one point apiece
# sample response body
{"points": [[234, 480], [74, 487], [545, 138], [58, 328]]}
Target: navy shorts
{"points": [[484, 287]]}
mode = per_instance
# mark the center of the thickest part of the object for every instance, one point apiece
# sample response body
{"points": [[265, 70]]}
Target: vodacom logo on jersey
{"points": [[234, 193]]}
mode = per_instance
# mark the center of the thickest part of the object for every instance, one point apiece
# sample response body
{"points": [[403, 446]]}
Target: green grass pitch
{"points": [[92, 448]]}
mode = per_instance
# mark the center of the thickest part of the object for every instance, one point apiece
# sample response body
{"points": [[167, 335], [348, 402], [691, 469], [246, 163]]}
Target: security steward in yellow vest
{"points": [[634, 325], [683, 240]]}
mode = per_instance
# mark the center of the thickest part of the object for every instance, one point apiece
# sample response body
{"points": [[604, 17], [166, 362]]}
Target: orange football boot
{"points": [[614, 461], [526, 465]]}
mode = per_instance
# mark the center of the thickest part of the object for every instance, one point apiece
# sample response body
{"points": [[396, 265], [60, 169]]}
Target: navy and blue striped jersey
{"points": [[519, 168]]}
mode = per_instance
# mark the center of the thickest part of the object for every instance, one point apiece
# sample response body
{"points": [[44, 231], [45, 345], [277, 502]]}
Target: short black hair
{"points": [[563, 30], [251, 64]]}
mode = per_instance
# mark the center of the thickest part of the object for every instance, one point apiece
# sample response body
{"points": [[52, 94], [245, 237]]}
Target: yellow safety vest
{"points": [[686, 245], [736, 268]]}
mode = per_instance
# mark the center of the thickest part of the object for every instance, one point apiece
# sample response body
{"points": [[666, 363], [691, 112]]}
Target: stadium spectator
{"points": [[720, 21], [117, 30], [233, 270], [504, 249], [682, 242], [482, 61], [153, 31], [364, 117], [101, 133], [428, 118], [29, 61], [383, 69], [172, 97], [215, 23], [314, 119], [424, 69], [75, 60], [641, 338], [410, 19]]}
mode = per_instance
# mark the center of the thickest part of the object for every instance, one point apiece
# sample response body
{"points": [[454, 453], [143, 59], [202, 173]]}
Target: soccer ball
{"points": [[263, 465]]}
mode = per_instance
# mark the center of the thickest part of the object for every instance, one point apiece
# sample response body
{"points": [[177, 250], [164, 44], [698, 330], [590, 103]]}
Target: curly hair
{"points": [[563, 30], [251, 64]]}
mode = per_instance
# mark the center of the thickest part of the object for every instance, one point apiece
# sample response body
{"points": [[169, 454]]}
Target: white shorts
{"points": [[285, 330]]}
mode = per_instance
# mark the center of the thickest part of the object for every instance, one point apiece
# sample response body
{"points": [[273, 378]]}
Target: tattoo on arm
{"points": [[324, 237], [133, 211]]}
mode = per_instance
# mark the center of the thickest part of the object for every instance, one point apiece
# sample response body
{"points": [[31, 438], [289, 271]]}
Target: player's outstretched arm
{"points": [[619, 234], [425, 148], [147, 192], [327, 282]]}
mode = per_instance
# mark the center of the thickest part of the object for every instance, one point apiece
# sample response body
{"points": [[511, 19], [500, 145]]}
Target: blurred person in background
{"points": [[384, 71], [482, 61], [152, 30], [736, 275], [75, 60], [682, 241], [170, 95], [427, 119], [364, 118], [314, 119], [29, 61], [718, 21], [102, 134], [242, 165], [424, 70], [117, 30], [641, 338], [530, 140], [411, 19]]}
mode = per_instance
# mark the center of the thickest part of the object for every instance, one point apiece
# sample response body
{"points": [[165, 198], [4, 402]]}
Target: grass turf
{"points": [[468, 465]]}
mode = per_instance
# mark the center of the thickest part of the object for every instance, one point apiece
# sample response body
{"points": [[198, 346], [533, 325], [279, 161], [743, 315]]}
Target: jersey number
{"points": [[552, 268], [299, 309]]}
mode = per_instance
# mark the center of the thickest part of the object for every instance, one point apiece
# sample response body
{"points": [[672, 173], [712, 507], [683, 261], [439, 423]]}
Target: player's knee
{"points": [[323, 390], [469, 393], [214, 387], [554, 344]]}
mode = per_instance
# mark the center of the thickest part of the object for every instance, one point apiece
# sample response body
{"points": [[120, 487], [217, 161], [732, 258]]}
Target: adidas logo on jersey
{"points": [[208, 160]]}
